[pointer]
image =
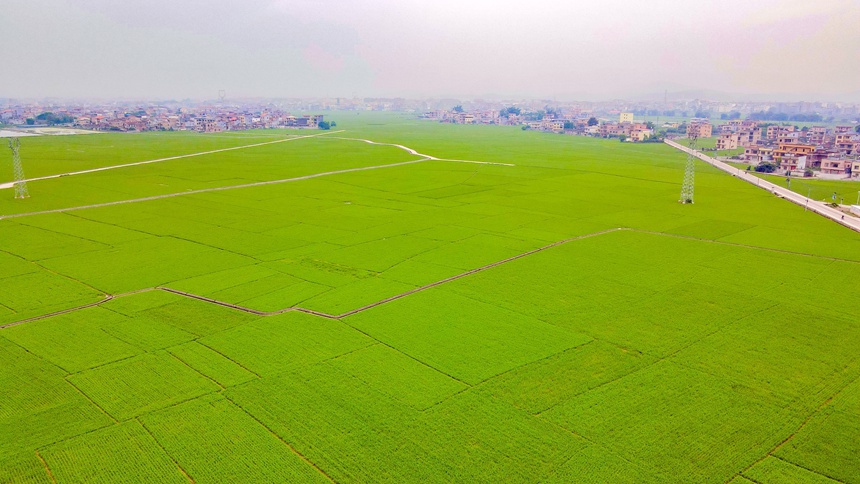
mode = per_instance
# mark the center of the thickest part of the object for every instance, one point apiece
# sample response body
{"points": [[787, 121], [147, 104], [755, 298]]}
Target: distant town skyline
{"points": [[768, 50]]}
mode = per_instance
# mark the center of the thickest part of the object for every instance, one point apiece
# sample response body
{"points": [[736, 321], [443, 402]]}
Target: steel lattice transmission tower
{"points": [[20, 182], [688, 188]]}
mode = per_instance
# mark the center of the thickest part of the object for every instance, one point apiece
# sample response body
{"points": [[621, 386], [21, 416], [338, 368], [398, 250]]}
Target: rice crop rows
{"points": [[335, 328]]}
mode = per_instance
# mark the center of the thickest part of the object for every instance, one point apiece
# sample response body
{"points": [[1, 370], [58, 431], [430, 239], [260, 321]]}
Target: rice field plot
{"points": [[144, 263], [215, 441], [541, 385], [28, 290], [700, 351], [347, 428], [846, 191], [133, 387], [787, 352], [74, 341], [211, 364], [827, 444], [293, 159], [276, 344], [773, 470], [467, 339], [38, 408], [51, 155], [120, 452], [26, 468], [696, 426], [397, 375], [193, 316]]}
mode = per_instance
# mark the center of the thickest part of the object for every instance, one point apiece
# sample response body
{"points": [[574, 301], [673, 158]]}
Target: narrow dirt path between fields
{"points": [[237, 307], [109, 297], [232, 187], [114, 167], [414, 152], [213, 189]]}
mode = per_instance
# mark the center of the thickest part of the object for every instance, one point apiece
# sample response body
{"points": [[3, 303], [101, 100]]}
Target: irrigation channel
{"points": [[109, 297], [815, 206]]}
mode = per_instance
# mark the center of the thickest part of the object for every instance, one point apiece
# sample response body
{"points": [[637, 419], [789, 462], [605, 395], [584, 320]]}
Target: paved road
{"points": [[820, 208]]}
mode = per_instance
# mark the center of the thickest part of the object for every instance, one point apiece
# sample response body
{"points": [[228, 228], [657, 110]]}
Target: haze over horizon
{"points": [[770, 49]]}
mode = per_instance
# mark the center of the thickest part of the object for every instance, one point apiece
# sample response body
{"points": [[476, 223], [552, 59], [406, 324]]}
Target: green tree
{"points": [[857, 128], [324, 125], [458, 109], [568, 125], [649, 124], [765, 167], [592, 121], [31, 121]]}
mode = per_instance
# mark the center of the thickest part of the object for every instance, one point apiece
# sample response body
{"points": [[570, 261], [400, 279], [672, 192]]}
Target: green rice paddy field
{"points": [[558, 318]]}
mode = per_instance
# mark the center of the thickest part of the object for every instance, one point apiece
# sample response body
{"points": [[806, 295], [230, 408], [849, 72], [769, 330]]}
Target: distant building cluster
{"points": [[817, 138], [203, 119], [213, 121], [786, 148], [570, 121], [781, 147]]}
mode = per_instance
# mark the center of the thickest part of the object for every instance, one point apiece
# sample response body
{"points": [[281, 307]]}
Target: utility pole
{"points": [[688, 187], [20, 182]]}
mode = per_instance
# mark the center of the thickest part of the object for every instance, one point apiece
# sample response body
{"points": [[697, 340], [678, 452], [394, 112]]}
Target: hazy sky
{"points": [[565, 49]]}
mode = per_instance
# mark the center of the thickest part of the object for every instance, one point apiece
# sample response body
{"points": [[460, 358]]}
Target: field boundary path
{"points": [[146, 162], [416, 153], [212, 189], [423, 156], [237, 307], [109, 297], [815, 206]]}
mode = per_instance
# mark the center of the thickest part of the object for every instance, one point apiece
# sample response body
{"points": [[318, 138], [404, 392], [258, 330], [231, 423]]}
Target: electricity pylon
{"points": [[688, 187], [20, 182]]}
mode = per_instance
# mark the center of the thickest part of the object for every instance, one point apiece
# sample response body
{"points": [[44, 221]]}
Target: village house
{"points": [[791, 156], [699, 129], [727, 141], [836, 166], [775, 131], [847, 143], [793, 162], [757, 154], [206, 124], [639, 135], [749, 137]]}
